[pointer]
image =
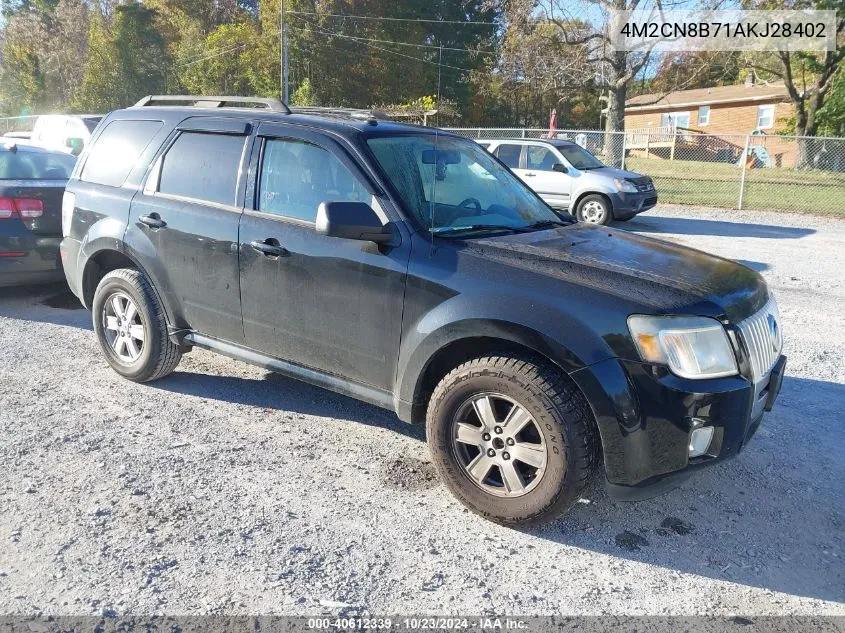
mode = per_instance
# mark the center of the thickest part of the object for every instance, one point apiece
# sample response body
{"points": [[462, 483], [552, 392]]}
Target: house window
{"points": [[704, 115], [675, 119], [765, 115]]}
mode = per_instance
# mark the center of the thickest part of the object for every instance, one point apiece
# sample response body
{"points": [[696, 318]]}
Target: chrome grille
{"points": [[761, 333]]}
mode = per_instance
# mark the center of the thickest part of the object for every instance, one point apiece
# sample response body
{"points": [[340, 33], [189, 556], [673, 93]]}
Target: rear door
{"points": [[184, 224], [325, 303]]}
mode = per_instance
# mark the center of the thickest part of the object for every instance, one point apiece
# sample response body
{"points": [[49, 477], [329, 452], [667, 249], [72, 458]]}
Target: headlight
{"points": [[624, 185], [692, 347]]}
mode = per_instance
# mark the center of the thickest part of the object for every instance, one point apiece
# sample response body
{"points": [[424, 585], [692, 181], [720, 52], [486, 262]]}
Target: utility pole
{"points": [[284, 48]]}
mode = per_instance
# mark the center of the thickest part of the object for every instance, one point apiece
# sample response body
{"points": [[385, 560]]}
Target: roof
{"points": [[330, 120], [705, 96]]}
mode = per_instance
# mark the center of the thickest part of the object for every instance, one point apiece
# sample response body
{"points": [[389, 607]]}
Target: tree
{"points": [[808, 76], [610, 70], [101, 78]]}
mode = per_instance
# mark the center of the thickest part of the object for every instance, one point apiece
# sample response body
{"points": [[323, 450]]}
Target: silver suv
{"points": [[569, 177]]}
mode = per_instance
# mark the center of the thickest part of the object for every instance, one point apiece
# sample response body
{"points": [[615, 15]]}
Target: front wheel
{"points": [[594, 209], [131, 328], [513, 438]]}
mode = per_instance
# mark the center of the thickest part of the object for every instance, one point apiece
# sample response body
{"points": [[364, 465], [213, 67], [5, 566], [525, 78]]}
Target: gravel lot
{"points": [[225, 489]]}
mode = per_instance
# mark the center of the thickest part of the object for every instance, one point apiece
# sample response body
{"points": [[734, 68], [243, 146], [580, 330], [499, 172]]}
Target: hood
{"points": [[612, 172], [664, 277]]}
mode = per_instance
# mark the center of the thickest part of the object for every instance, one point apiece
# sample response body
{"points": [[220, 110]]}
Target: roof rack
{"points": [[275, 105], [352, 113]]}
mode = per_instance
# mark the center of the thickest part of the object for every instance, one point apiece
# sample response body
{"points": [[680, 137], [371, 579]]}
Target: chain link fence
{"points": [[17, 124], [730, 171]]}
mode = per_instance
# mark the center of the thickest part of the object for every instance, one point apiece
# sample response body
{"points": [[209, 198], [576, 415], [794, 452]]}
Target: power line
{"points": [[369, 17], [370, 39], [366, 41]]}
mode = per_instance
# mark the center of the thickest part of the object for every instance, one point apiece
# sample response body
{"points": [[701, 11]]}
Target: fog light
{"points": [[699, 441]]}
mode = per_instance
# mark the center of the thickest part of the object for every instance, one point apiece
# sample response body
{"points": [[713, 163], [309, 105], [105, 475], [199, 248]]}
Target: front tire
{"points": [[513, 438], [594, 209], [131, 327]]}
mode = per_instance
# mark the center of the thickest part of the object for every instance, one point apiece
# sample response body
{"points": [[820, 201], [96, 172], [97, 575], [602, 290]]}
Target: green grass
{"points": [[717, 185]]}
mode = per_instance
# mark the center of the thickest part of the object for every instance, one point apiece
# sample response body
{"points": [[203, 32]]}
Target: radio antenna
{"points": [[436, 148]]}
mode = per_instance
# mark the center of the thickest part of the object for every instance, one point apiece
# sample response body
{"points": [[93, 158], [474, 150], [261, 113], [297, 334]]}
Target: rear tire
{"points": [[131, 327], [558, 440], [594, 209]]}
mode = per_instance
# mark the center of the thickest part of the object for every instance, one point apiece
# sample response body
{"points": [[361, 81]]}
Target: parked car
{"points": [[406, 267], [32, 181], [60, 131], [568, 177]]}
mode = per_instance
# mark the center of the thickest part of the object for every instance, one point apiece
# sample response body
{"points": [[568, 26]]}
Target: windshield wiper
{"points": [[448, 230], [544, 224]]}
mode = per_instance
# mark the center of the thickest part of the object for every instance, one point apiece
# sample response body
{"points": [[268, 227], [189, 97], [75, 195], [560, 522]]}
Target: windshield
{"points": [[458, 187], [22, 164], [579, 158]]}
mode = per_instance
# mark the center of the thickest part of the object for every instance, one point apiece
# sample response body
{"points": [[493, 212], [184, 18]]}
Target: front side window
{"points": [[452, 184], [203, 166], [765, 116], [297, 176], [540, 158], [116, 151]]}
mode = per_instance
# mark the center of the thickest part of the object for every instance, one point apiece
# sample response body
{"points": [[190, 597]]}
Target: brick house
{"points": [[662, 122]]}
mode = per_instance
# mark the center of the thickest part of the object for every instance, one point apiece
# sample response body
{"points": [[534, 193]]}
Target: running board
{"points": [[333, 383]]}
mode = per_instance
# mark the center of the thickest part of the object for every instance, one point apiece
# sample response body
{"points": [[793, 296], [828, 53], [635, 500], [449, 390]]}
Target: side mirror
{"points": [[352, 221], [75, 145], [560, 167]]}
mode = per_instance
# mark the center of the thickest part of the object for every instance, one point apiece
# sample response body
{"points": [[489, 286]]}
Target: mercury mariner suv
{"points": [[409, 268]]}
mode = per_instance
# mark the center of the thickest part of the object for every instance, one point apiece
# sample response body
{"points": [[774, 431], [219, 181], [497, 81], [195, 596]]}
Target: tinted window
{"points": [[203, 167], [540, 158], [509, 155], [29, 165], [117, 150], [452, 183], [296, 177]]}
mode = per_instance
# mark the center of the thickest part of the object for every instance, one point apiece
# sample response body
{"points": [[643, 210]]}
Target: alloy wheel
{"points": [[123, 327], [499, 445]]}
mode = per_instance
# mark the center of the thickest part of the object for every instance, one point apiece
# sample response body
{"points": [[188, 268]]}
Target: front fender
{"points": [[563, 339]]}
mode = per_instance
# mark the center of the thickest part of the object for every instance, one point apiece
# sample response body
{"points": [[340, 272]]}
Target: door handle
{"points": [[153, 220], [531, 174], [270, 247]]}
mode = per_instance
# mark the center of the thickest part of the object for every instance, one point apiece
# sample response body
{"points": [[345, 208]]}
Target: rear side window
{"points": [[117, 150], [24, 165], [203, 166], [509, 155]]}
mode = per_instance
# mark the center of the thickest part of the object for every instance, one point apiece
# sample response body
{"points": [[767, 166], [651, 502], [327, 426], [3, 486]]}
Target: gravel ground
{"points": [[225, 489]]}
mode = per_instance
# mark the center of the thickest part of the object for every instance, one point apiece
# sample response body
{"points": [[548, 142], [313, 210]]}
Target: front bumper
{"points": [[645, 416], [30, 261], [627, 205]]}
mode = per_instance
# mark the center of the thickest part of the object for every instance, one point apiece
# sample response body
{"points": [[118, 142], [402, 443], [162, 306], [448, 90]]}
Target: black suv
{"points": [[408, 268]]}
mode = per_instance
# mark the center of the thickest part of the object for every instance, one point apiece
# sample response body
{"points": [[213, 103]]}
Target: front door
{"points": [[553, 186], [324, 303], [184, 227]]}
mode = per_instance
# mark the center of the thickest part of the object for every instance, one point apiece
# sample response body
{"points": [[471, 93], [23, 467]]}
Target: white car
{"points": [[60, 131], [568, 177]]}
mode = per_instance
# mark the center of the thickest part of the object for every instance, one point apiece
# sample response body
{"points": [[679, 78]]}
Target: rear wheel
{"points": [[131, 328], [512, 438], [594, 209]]}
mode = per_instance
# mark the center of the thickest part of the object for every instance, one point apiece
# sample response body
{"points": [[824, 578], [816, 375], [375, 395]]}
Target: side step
{"points": [[342, 386]]}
